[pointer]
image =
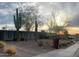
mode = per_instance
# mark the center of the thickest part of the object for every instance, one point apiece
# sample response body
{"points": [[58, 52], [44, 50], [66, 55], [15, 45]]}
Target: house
{"points": [[11, 35], [23, 35]]}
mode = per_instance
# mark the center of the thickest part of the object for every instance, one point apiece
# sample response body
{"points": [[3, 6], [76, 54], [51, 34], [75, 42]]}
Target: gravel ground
{"points": [[26, 49]]}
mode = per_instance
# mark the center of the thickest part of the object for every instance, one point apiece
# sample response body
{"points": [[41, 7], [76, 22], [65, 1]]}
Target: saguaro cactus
{"points": [[17, 22], [36, 26], [36, 30]]}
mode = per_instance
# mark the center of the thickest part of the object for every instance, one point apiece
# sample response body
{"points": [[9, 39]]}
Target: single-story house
{"points": [[23, 35]]}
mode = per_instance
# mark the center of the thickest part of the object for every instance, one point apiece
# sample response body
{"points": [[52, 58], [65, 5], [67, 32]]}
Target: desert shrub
{"points": [[68, 42], [50, 42], [2, 45], [72, 41], [40, 43], [11, 51], [45, 44], [64, 44]]}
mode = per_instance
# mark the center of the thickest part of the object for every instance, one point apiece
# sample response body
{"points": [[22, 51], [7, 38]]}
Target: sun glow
{"points": [[73, 30], [62, 18]]}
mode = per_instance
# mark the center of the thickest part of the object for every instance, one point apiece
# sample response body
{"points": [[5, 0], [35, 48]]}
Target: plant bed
{"points": [[66, 43]]}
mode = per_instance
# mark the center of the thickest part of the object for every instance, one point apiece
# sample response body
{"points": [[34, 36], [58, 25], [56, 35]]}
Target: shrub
{"points": [[72, 41], [11, 51], [64, 44], [45, 44], [40, 43], [2, 45], [68, 42], [51, 43]]}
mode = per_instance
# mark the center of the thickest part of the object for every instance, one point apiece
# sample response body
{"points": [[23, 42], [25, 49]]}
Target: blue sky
{"points": [[6, 12]]}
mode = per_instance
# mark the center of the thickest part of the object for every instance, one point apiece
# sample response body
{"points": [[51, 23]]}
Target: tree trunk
{"points": [[56, 43], [36, 26]]}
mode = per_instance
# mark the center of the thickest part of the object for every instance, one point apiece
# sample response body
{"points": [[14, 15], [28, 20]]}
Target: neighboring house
{"points": [[23, 35], [10, 35]]}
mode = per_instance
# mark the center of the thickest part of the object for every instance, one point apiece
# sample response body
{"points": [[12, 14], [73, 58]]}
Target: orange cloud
{"points": [[73, 30]]}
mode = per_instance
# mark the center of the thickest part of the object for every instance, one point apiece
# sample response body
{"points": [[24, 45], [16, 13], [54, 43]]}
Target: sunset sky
{"points": [[73, 30], [63, 9]]}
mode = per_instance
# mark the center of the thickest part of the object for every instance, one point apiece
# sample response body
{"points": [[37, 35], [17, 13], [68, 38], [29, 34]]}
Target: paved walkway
{"points": [[69, 52]]}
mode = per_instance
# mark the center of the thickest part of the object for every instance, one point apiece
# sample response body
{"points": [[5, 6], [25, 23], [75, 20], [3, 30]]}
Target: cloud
{"points": [[7, 9], [70, 8], [75, 21], [6, 12]]}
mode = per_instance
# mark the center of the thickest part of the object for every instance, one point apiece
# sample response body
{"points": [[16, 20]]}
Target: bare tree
{"points": [[54, 27], [31, 16]]}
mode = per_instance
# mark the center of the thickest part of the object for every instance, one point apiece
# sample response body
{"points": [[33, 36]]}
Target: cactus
{"points": [[36, 26], [17, 21], [36, 29]]}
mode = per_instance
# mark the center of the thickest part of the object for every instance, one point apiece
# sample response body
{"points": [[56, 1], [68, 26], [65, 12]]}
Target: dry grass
{"points": [[2, 45], [11, 51]]}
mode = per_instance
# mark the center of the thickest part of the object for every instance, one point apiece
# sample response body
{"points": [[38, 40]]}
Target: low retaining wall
{"points": [[72, 51]]}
